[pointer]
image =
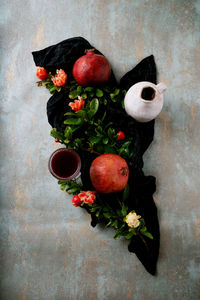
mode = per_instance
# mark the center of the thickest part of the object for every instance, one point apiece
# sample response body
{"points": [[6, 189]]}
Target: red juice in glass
{"points": [[64, 164]]}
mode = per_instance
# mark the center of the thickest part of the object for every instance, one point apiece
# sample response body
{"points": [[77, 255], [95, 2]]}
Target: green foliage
{"points": [[93, 108], [115, 218], [73, 121], [125, 193], [89, 129], [99, 93], [57, 134], [70, 186]]}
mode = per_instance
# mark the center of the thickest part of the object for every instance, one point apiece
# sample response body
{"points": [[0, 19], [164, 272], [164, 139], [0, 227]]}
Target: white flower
{"points": [[132, 220]]}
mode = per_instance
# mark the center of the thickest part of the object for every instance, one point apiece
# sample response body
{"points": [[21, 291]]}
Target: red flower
{"points": [[76, 200], [56, 140], [77, 104], [41, 73], [120, 135], [60, 79], [87, 197]]}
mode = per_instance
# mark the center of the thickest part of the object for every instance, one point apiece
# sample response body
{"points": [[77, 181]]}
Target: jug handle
{"points": [[161, 87]]}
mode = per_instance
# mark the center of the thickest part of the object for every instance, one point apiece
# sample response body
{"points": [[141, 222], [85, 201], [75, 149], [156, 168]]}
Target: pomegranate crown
{"points": [[90, 51]]}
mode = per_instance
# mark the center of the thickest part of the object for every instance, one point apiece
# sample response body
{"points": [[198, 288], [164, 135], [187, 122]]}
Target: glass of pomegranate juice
{"points": [[64, 164]]}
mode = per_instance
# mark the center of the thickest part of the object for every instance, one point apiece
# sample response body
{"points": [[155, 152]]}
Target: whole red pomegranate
{"points": [[109, 173], [91, 69]]}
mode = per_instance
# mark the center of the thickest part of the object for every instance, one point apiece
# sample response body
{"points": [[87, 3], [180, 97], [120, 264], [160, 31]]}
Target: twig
{"points": [[140, 235], [90, 150]]}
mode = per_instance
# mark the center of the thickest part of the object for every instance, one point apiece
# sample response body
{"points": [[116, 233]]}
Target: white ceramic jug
{"points": [[144, 100]]}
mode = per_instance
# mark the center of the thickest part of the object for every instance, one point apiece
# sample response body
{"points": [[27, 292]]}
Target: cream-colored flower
{"points": [[132, 220]]}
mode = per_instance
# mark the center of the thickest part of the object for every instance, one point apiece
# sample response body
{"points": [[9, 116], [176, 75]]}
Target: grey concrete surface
{"points": [[48, 250]]}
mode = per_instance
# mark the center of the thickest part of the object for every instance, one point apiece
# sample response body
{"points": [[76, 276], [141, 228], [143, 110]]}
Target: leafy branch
{"points": [[89, 129], [70, 186]]}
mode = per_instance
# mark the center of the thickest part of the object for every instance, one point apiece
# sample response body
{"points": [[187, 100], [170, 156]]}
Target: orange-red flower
{"points": [[87, 197], [76, 200], [77, 104], [41, 73], [60, 79]]}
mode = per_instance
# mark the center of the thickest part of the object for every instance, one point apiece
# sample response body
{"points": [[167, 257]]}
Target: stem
{"points": [[90, 150], [140, 235], [115, 148], [114, 214]]}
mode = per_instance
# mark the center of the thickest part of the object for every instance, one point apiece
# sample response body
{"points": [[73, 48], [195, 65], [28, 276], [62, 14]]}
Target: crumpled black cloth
{"points": [[62, 56]]}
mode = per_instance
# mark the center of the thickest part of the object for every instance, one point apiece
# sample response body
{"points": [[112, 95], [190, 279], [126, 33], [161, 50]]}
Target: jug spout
{"points": [[161, 87]]}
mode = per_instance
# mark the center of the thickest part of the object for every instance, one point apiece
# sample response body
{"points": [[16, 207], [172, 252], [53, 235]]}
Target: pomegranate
{"points": [[109, 173], [91, 69]]}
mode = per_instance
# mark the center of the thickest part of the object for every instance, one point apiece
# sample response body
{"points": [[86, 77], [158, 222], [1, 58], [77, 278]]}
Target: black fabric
{"points": [[63, 56]]}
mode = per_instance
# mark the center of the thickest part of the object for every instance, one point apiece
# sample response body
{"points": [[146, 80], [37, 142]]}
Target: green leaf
{"points": [[99, 93], [115, 224], [72, 190], [122, 103], [115, 98], [148, 234], [111, 133], [142, 222], [125, 148], [69, 114], [84, 96], [130, 235], [125, 193], [109, 224], [109, 149], [104, 115], [93, 209], [68, 132], [116, 92], [56, 134], [79, 89], [119, 213], [75, 127], [118, 235], [105, 141], [93, 108], [73, 94], [124, 210], [126, 144], [72, 88], [73, 121], [81, 113], [107, 215], [105, 101], [112, 96], [95, 140], [89, 89], [107, 125], [91, 94], [143, 229], [107, 89], [63, 186], [98, 213], [62, 181], [53, 89], [99, 131], [106, 209]]}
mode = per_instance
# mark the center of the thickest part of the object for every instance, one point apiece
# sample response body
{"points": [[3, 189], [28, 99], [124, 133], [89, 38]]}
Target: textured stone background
{"points": [[48, 249]]}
